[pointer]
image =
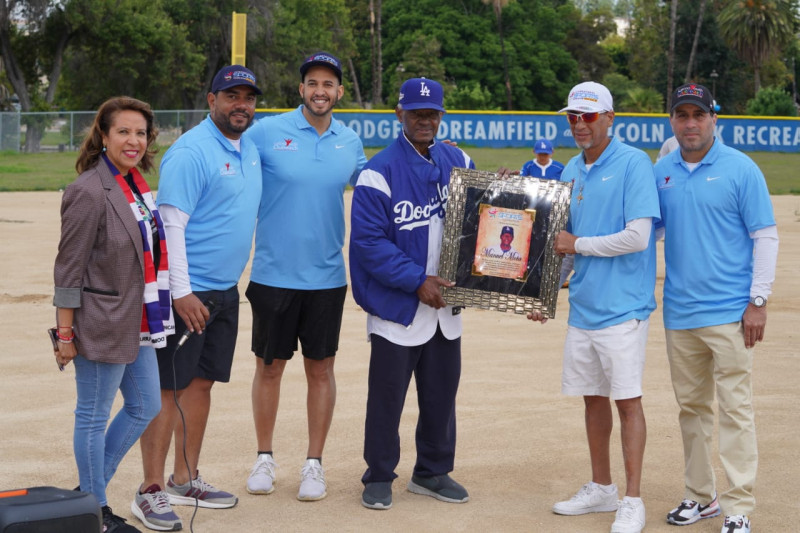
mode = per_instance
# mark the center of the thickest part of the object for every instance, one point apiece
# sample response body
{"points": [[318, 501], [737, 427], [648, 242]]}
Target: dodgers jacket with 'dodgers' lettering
{"points": [[397, 194]]}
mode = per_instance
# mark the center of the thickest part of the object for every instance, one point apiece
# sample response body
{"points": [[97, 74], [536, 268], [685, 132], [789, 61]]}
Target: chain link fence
{"points": [[64, 131]]}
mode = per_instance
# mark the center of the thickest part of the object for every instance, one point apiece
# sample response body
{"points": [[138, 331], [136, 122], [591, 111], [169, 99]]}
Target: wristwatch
{"points": [[758, 301]]}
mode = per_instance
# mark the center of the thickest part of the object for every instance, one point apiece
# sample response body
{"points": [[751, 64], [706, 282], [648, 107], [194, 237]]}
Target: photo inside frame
{"points": [[532, 233]]}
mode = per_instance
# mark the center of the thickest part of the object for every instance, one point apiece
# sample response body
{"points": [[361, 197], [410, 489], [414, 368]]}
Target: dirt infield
{"points": [[521, 444]]}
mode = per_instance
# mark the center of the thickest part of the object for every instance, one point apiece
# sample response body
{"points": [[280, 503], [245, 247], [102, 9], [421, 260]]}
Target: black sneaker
{"points": [[440, 487], [377, 495], [115, 524]]}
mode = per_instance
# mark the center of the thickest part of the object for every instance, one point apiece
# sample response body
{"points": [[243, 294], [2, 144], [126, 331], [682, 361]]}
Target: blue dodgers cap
{"points": [[421, 93], [233, 76], [322, 59], [507, 229], [543, 146]]}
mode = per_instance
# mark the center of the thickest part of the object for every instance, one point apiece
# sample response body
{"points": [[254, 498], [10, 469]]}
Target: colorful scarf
{"points": [[157, 319]]}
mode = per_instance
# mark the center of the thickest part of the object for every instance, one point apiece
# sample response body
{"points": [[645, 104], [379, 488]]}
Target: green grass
{"points": [[53, 171]]}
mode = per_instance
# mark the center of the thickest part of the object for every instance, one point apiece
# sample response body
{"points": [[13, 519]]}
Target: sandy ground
{"points": [[521, 444]]}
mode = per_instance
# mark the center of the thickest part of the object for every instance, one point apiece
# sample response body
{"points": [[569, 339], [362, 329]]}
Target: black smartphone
{"points": [[53, 334]]}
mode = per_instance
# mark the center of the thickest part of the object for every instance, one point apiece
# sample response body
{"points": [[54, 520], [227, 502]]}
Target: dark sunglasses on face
{"points": [[588, 118]]}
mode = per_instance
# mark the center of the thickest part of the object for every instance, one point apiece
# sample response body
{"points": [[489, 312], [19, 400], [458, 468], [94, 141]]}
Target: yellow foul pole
{"points": [[238, 38]]}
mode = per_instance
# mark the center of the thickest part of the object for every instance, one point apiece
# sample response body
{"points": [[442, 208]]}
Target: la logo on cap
{"points": [[424, 90]]}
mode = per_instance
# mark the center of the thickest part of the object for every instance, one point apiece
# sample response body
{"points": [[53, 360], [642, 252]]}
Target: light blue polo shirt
{"points": [[708, 215], [300, 231], [605, 291], [204, 176]]}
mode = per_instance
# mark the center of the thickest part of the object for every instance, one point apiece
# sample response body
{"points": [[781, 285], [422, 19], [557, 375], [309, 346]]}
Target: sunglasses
{"points": [[587, 118]]}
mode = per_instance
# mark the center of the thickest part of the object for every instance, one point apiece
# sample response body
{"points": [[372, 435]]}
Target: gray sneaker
{"points": [[377, 495], [206, 494], [153, 509], [441, 487]]}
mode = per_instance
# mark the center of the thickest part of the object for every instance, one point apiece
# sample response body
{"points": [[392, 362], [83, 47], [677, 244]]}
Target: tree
{"points": [[540, 69], [145, 54], [673, 22], [376, 50], [287, 33], [583, 42], [33, 56], [772, 101], [702, 12], [757, 29], [497, 7]]}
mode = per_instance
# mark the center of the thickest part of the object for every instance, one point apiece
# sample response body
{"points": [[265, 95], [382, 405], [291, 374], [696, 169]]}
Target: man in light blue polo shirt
{"points": [[609, 234], [720, 248], [209, 189], [298, 281]]}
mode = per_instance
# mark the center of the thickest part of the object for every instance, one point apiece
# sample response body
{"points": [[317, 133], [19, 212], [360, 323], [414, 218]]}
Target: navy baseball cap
{"points": [[233, 76], [543, 146], [421, 93], [692, 93], [507, 229], [322, 59]]}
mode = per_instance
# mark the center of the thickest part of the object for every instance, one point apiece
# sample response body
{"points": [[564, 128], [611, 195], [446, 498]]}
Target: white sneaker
{"points": [[262, 476], [690, 511], [630, 516], [737, 523], [312, 485], [591, 498]]}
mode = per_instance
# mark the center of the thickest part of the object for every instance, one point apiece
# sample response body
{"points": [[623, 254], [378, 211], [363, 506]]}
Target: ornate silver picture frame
{"points": [[498, 241]]}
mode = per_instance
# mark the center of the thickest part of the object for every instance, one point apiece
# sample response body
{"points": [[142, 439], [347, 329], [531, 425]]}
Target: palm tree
{"points": [[673, 21], [690, 66], [497, 6], [757, 29]]}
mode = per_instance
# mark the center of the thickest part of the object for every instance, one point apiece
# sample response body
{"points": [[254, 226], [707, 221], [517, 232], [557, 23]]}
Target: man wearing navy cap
{"points": [[298, 281], [543, 166], [208, 198], [398, 211], [504, 250], [720, 249]]}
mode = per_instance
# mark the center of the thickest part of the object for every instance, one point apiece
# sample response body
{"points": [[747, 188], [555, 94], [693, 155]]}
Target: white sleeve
{"points": [[765, 257], [634, 238], [175, 222], [566, 268]]}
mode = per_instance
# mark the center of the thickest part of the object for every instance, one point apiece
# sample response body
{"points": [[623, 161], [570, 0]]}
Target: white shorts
{"points": [[605, 362]]}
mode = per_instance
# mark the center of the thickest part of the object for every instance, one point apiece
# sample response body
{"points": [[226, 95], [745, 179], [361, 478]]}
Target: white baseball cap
{"points": [[589, 97]]}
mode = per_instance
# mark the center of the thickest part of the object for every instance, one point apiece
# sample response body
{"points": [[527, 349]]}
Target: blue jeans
{"points": [[98, 451]]}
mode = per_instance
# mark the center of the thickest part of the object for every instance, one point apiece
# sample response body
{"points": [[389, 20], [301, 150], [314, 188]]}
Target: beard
{"points": [[311, 107]]}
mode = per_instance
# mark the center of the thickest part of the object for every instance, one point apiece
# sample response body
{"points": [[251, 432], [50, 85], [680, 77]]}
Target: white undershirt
{"points": [[175, 222]]}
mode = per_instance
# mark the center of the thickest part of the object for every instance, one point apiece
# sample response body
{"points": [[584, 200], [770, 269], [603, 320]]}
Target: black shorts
{"points": [[282, 316], [209, 355]]}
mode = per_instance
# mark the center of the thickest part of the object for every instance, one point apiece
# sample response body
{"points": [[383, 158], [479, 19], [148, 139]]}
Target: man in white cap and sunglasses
{"points": [[611, 244]]}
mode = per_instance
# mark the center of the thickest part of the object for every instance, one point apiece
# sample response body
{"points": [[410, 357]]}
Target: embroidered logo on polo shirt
{"points": [[285, 145], [665, 184], [227, 170]]}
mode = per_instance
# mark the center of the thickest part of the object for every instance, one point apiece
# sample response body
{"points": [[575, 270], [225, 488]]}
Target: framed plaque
{"points": [[498, 241]]}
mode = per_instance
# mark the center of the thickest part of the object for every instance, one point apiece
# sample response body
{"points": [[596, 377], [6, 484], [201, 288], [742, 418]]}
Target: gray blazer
{"points": [[99, 269]]}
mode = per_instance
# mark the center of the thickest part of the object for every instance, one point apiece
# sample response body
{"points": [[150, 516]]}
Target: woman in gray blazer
{"points": [[112, 292]]}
